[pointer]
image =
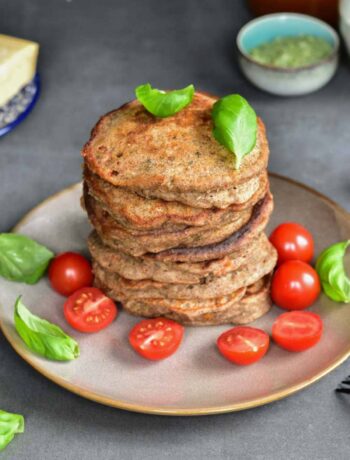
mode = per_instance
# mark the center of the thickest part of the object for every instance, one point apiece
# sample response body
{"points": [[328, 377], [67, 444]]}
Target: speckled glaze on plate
{"points": [[196, 380]]}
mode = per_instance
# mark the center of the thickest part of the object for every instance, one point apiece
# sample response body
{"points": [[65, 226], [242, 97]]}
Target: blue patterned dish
{"points": [[16, 110]]}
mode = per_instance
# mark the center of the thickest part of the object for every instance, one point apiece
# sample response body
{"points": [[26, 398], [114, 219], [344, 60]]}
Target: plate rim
{"points": [[119, 404]]}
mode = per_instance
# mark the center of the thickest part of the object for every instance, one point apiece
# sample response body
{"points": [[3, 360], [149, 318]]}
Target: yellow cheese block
{"points": [[18, 60]]}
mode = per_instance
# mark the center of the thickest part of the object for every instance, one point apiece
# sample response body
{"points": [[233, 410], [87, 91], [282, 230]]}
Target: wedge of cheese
{"points": [[18, 60]]}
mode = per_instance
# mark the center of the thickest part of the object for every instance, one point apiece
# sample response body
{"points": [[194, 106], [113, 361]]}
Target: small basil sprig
{"points": [[44, 338], [22, 259], [164, 104], [331, 270], [10, 424], [235, 125]]}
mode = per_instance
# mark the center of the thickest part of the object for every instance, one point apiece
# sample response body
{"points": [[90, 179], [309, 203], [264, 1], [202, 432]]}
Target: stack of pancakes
{"points": [[178, 232]]}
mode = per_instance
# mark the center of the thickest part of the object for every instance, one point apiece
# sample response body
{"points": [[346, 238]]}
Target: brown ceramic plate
{"points": [[196, 380]]}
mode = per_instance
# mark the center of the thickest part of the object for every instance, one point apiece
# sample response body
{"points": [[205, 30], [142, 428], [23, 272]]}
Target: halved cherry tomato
{"points": [[156, 338], [243, 345], [295, 285], [89, 310], [297, 330], [293, 242], [70, 271]]}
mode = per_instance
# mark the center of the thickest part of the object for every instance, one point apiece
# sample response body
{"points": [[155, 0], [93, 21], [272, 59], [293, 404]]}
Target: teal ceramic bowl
{"points": [[278, 80]]}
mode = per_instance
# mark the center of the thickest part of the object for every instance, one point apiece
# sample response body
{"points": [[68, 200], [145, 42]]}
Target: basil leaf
{"points": [[10, 424], [331, 270], [22, 259], [235, 125], [164, 104], [44, 338]]}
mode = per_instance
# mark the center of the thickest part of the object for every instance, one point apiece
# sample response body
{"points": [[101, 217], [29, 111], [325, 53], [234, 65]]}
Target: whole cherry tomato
{"points": [[293, 242], [295, 285], [68, 272]]}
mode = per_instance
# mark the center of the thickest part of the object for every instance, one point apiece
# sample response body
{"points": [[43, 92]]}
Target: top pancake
{"points": [[160, 157]]}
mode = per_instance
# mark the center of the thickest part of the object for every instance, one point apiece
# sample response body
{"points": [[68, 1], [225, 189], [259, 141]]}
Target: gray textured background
{"points": [[93, 53]]}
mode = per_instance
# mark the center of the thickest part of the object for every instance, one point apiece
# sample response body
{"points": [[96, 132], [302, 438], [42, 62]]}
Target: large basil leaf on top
{"points": [[10, 424], [164, 104], [331, 270], [22, 259], [44, 338], [235, 125]]}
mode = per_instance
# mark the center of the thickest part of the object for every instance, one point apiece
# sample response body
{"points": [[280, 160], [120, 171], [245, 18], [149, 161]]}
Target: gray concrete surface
{"points": [[93, 53]]}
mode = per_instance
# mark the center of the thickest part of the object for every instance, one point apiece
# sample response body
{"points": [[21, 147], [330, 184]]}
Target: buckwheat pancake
{"points": [[240, 307], [175, 158], [132, 211], [147, 267], [139, 243], [235, 242], [211, 287], [98, 209]]}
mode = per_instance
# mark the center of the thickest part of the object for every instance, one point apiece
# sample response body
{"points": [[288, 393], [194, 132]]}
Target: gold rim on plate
{"points": [[168, 410]]}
